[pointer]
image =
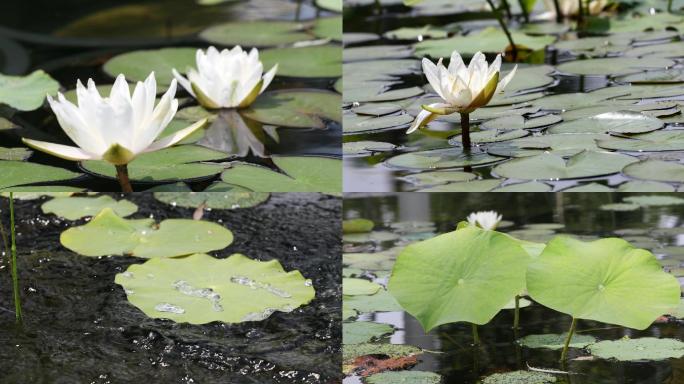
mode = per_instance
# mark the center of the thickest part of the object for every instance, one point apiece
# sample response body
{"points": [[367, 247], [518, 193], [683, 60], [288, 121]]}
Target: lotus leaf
{"points": [[646, 348], [364, 331]]}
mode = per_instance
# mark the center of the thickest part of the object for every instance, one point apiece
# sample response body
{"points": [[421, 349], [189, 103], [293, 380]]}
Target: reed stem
{"points": [[15, 277]]}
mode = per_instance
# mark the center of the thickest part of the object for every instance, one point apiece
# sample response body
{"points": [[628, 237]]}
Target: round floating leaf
{"points": [[605, 280], [555, 341], [36, 192], [109, 234], [613, 66], [488, 40], [181, 162], [438, 177], [589, 187], [298, 174], [645, 348], [301, 108], [417, 33], [377, 52], [74, 208], [199, 289], [610, 122], [654, 200], [654, 141], [672, 75], [261, 33], [520, 122], [353, 287], [378, 92], [379, 261], [619, 207], [548, 166], [656, 170], [562, 144], [370, 237], [351, 352], [645, 186], [520, 377], [314, 61], [235, 198], [379, 302], [404, 377], [441, 158], [328, 28], [330, 5], [18, 154], [137, 65], [364, 331], [364, 147], [27, 93], [15, 173], [357, 226], [466, 275], [357, 124], [530, 186], [491, 136], [468, 186]]}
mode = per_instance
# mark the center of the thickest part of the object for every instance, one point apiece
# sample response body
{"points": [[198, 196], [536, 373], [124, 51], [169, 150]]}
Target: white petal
{"points": [[73, 124], [507, 79], [433, 74], [59, 150], [268, 77], [175, 137], [185, 83]]}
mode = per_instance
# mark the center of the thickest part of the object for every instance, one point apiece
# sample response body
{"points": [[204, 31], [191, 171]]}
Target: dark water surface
{"points": [[452, 355], [79, 327]]}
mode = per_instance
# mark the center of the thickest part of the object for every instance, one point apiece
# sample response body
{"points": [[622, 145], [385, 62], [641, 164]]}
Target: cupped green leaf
{"points": [[74, 208], [466, 275], [199, 289], [296, 108], [109, 234], [26, 93], [605, 280]]}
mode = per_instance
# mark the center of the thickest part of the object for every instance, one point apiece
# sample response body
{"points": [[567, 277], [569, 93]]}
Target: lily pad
{"points": [[298, 174], [352, 351], [441, 158], [404, 377], [653, 141], [364, 331], [296, 108], [330, 5], [137, 65], [377, 52], [313, 61], [483, 185], [520, 122], [235, 198], [549, 166], [15, 173], [645, 348], [74, 208], [520, 377], [555, 341], [654, 200], [18, 154], [379, 261], [605, 280], [109, 234], [357, 124], [656, 170], [27, 93], [619, 207], [613, 66], [181, 162], [260, 33], [365, 147], [480, 270], [357, 226], [438, 177], [199, 289], [610, 122], [381, 301]]}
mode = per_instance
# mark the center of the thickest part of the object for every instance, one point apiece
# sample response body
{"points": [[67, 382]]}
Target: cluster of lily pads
{"points": [[180, 281], [474, 273], [238, 147], [593, 106]]}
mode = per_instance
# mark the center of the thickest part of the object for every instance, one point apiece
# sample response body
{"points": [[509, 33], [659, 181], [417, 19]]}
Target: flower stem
{"points": [[669, 6], [559, 16], [567, 340], [526, 15], [15, 277], [465, 131], [502, 23], [580, 14], [122, 176], [507, 8], [516, 314], [476, 336]]}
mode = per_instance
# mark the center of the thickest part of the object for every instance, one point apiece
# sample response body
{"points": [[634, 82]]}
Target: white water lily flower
{"points": [[571, 7], [464, 89], [116, 128], [226, 79], [487, 220]]}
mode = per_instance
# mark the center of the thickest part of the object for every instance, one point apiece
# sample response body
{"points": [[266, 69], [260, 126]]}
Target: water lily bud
{"points": [[487, 220]]}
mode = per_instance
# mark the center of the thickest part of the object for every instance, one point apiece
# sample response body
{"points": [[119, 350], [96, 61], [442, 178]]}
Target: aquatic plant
{"points": [[15, 274], [117, 128], [464, 89], [487, 220], [226, 79]]}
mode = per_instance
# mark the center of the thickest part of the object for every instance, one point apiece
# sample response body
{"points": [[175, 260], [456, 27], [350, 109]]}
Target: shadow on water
{"points": [[79, 327], [452, 355]]}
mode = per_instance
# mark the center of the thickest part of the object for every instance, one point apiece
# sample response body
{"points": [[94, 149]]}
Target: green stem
{"points": [[497, 13], [526, 15], [465, 132], [669, 6], [559, 16], [3, 234], [507, 8], [476, 336], [567, 340], [15, 277], [122, 176], [516, 314]]}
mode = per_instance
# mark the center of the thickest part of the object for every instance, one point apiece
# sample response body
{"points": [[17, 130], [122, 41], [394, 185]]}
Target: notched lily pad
{"points": [[27, 93], [199, 289], [296, 108], [441, 158], [645, 348], [74, 208], [235, 198]]}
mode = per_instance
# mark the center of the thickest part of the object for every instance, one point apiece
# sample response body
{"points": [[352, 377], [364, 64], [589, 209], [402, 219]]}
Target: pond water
{"points": [[403, 218], [80, 328], [75, 39], [577, 95]]}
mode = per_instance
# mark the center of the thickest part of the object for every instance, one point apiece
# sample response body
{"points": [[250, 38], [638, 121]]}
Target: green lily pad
{"points": [[330, 5], [417, 33], [520, 122], [645, 348], [36, 192], [645, 186], [441, 158], [520, 377], [357, 124], [605, 280], [366, 148], [530, 186], [480, 270], [377, 109], [656, 170], [381, 301], [613, 66], [18, 154], [27, 93], [619, 207], [549, 166], [109, 234], [654, 200], [328, 28], [404, 377], [438, 177], [181, 162], [370, 237], [137, 65], [300, 108], [370, 92], [589, 187], [235, 198], [298, 174], [561, 144], [667, 76], [259, 33], [483, 185], [555, 341], [377, 52], [199, 289], [364, 331], [357, 226], [353, 287], [653, 141], [352, 351], [74, 208], [15, 173], [313, 61], [611, 122], [379, 261]]}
